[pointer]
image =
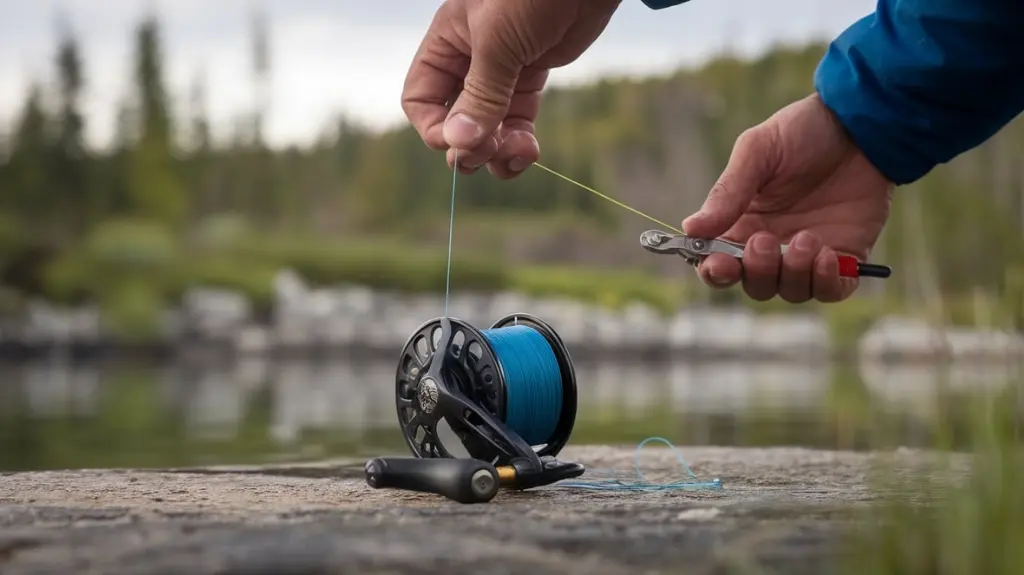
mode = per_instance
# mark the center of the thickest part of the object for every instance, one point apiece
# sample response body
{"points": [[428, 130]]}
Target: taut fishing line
{"points": [[607, 198], [451, 233], [533, 377]]}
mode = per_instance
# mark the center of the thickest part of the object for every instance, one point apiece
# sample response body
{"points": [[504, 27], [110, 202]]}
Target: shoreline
{"points": [[361, 323], [197, 351]]}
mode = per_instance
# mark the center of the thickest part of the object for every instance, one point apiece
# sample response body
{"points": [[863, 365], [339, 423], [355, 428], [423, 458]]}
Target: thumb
{"points": [[486, 94], [748, 170]]}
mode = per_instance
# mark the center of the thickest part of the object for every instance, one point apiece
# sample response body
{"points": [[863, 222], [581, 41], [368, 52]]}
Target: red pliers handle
{"points": [[694, 250]]}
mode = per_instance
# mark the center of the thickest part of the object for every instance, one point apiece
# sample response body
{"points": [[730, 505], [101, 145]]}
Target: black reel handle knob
{"points": [[462, 480]]}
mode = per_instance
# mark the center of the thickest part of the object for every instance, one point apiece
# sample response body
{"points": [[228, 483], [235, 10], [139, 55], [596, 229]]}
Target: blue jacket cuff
{"points": [[659, 4], [919, 82]]}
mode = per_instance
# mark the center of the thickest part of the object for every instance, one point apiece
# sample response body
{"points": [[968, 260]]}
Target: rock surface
{"points": [[781, 509]]}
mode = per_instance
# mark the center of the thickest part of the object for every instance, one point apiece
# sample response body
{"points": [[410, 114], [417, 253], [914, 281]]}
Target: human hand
{"points": [[489, 61], [796, 177]]}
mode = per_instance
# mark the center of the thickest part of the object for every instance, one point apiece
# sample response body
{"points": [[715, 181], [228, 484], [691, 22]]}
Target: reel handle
{"points": [[461, 480]]}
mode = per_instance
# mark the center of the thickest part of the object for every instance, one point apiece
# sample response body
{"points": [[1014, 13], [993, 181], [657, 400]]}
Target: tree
{"points": [[265, 198], [261, 75], [28, 166], [199, 165], [71, 161], [155, 189]]}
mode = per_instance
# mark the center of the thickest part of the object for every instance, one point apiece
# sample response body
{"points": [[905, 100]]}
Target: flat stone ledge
{"points": [[781, 508]]}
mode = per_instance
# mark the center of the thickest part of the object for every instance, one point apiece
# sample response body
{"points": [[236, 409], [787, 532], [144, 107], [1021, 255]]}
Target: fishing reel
{"points": [[459, 399]]}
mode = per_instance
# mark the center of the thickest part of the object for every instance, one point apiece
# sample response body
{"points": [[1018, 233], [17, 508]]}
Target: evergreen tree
{"points": [[29, 170], [203, 197], [155, 188], [71, 161]]}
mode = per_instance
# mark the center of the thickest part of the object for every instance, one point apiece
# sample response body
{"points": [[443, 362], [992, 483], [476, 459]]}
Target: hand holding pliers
{"points": [[694, 250]]}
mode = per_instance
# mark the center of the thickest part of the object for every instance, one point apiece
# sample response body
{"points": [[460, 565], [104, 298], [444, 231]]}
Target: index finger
{"points": [[434, 77]]}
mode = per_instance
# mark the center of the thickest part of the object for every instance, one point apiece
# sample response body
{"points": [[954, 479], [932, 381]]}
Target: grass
{"points": [[927, 525]]}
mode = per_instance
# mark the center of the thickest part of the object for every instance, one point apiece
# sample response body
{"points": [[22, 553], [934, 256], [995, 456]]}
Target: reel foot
{"points": [[551, 471]]}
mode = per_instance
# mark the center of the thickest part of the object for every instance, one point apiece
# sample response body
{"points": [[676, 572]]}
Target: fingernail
{"points": [[805, 242], [716, 278], [518, 164], [763, 245], [461, 131]]}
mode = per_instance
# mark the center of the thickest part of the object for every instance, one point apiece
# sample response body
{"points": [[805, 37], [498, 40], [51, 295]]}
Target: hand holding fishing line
{"points": [[475, 81]]}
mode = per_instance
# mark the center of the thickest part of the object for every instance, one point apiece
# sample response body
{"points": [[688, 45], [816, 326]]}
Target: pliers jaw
{"points": [[692, 250]]}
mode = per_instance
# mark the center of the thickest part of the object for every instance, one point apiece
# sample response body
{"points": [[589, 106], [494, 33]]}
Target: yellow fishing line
{"points": [[609, 198]]}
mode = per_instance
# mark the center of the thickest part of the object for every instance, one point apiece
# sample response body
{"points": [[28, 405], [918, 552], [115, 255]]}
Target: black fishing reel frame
{"points": [[448, 370]]}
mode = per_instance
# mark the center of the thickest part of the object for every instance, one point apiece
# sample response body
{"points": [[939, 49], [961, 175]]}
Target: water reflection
{"points": [[55, 388], [58, 415]]}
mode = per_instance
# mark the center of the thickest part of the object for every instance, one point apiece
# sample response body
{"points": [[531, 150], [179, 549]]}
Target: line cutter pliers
{"points": [[694, 250]]}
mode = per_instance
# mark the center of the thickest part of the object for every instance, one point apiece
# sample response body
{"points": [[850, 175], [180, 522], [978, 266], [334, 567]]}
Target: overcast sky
{"points": [[330, 56]]}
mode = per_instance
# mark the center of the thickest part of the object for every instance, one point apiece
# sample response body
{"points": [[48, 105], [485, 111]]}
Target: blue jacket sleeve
{"points": [[659, 4], [918, 82]]}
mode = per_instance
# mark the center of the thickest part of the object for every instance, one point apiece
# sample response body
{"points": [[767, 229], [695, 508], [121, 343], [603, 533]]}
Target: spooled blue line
{"points": [[533, 381]]}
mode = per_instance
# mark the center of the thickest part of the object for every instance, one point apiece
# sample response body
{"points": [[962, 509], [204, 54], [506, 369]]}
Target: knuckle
{"points": [[486, 94], [797, 268], [799, 261], [721, 188], [752, 140], [518, 43], [747, 139], [760, 142]]}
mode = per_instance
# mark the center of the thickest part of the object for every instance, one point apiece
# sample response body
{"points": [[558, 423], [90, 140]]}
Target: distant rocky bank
{"points": [[353, 319]]}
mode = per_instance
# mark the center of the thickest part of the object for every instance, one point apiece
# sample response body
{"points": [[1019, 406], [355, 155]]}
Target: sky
{"points": [[350, 56]]}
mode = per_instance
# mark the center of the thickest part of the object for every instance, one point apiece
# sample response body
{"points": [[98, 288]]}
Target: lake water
{"points": [[56, 415]]}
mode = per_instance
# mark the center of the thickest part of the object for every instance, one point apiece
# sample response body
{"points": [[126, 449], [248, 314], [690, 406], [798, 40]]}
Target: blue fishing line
{"points": [[451, 234], [533, 381], [641, 483]]}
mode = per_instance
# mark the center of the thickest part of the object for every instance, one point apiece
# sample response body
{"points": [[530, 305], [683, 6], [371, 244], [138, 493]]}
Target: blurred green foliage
{"points": [[953, 521]]}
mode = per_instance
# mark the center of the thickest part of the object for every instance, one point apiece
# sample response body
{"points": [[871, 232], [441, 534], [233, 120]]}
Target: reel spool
{"points": [[508, 397]]}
